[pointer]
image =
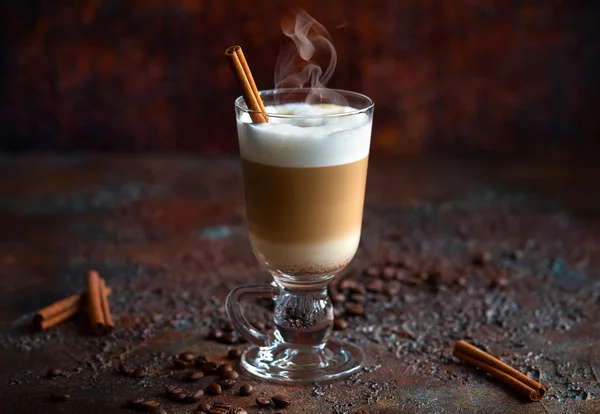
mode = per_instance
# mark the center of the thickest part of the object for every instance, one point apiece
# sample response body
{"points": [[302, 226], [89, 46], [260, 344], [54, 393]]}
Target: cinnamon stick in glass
{"points": [[98, 309], [498, 369], [242, 73]]}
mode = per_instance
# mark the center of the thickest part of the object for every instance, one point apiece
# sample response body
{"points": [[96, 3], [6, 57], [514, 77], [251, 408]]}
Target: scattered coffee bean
{"points": [[194, 396], [200, 359], [500, 282], [229, 375], [337, 298], [228, 327], [358, 298], [226, 383], [125, 369], [356, 288], [199, 412], [280, 412], [337, 313], [215, 333], [376, 286], [217, 410], [238, 410], [234, 353], [390, 291], [194, 376], [186, 356], [339, 324], [461, 281], [371, 271], [229, 339], [180, 363], [174, 393], [516, 254], [150, 405], [224, 367], [135, 403], [60, 397], [209, 367], [354, 309], [482, 258], [203, 406], [280, 401], [140, 372], [54, 372], [173, 389], [346, 284], [246, 390], [260, 326], [263, 402], [214, 389], [387, 273], [222, 404]]}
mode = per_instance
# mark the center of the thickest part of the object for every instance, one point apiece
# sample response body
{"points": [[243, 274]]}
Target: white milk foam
{"points": [[305, 142]]}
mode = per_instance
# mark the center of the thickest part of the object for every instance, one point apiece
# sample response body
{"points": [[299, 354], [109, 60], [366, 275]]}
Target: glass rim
{"points": [[240, 103]]}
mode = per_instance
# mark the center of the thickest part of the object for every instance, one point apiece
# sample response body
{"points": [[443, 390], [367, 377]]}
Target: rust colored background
{"points": [[149, 75]]}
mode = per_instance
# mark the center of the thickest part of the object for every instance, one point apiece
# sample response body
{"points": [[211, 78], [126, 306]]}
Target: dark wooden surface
{"points": [[455, 75], [168, 235]]}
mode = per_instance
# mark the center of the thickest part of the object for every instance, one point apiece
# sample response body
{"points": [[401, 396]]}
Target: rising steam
{"points": [[297, 65]]}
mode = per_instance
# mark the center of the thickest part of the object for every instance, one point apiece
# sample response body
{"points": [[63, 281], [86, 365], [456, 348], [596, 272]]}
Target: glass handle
{"points": [[236, 315]]}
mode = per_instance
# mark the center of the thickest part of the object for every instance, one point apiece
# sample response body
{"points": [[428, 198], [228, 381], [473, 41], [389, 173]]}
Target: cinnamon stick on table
{"points": [[242, 72], [98, 308], [498, 369], [60, 311]]}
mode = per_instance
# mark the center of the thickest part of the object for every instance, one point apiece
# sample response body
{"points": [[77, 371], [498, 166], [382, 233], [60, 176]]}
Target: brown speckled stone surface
{"points": [[168, 235]]}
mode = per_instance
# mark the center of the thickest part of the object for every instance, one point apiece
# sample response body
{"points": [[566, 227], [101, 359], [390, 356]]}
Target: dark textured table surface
{"points": [[168, 235]]}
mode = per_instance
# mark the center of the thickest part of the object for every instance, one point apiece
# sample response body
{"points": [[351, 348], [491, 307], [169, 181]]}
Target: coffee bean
{"points": [[280, 401], [215, 333], [186, 356], [354, 309], [199, 412], [461, 281], [339, 324], [376, 286], [223, 367], [346, 284], [60, 397], [390, 291], [180, 363], [338, 298], [234, 353], [238, 410], [500, 282], [482, 258], [53, 372], [135, 403], [217, 410], [125, 369], [214, 389], [194, 396], [177, 397], [229, 375], [263, 402], [358, 298], [173, 389], [337, 313], [280, 412], [209, 367], [203, 406], [140, 372], [228, 327], [150, 405], [387, 273], [200, 359], [222, 404], [226, 383], [229, 339], [246, 390], [194, 376], [371, 271], [356, 288]]}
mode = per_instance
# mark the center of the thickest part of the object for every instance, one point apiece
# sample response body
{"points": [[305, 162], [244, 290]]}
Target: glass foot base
{"points": [[283, 363]]}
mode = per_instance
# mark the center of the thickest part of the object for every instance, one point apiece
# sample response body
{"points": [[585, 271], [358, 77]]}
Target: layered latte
{"points": [[305, 185]]}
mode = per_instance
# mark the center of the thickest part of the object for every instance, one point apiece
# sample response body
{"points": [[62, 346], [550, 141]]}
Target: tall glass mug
{"points": [[305, 173]]}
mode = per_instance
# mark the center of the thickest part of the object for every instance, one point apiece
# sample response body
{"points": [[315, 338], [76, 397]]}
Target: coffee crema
{"points": [[305, 184]]}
